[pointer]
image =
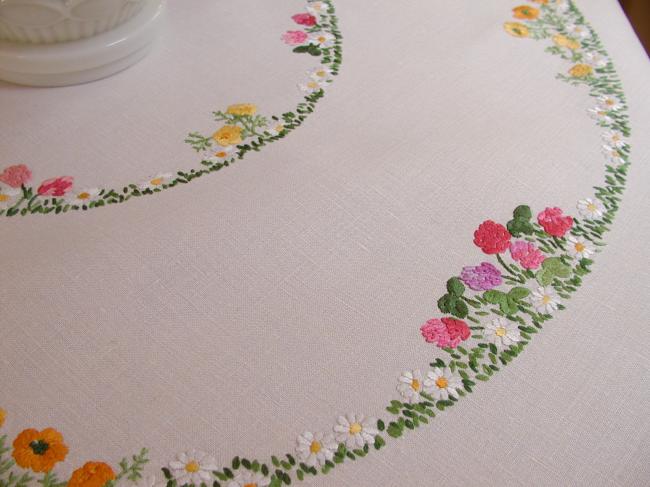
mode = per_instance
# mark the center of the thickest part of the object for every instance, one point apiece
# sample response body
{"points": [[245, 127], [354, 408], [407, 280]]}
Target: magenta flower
{"points": [[481, 277], [445, 332], [528, 256], [304, 19], [56, 186], [294, 37]]}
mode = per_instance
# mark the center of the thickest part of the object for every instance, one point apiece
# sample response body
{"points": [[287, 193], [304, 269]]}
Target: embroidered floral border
{"points": [[242, 130], [535, 266]]}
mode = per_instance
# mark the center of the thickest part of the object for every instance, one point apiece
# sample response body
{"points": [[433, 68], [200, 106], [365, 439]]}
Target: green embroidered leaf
{"points": [[523, 211], [444, 304], [544, 277], [455, 287], [519, 226], [300, 49], [494, 297], [509, 306], [460, 309], [518, 293]]}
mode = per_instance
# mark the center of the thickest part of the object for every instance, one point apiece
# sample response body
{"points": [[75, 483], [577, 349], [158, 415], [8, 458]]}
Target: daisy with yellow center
{"points": [[409, 385], [516, 29], [311, 86], [246, 478], [545, 300], [580, 248], [8, 196], [220, 154], [501, 333], [156, 181], [193, 467], [577, 30], [591, 209], [609, 103], [321, 73], [316, 448], [442, 383], [84, 196], [355, 430], [322, 39], [614, 138], [316, 8], [613, 155]]}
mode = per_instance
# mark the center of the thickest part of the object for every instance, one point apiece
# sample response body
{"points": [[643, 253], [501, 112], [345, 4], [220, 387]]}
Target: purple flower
{"points": [[481, 277]]}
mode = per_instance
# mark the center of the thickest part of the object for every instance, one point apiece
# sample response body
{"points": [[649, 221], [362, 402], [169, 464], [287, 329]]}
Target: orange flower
{"points": [[525, 12], [3, 416], [92, 474], [39, 450], [516, 29], [581, 71]]}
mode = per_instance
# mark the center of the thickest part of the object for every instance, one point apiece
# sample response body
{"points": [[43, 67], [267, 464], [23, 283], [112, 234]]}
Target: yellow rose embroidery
{"points": [[581, 71], [525, 12], [516, 29], [564, 41], [228, 135], [242, 109]]}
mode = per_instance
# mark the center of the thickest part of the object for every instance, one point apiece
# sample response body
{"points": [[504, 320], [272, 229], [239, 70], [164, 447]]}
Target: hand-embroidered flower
{"points": [[56, 186], [442, 383], [8, 196], [156, 182], [609, 102], [577, 30], [228, 135], [39, 450], [492, 238], [581, 70], [564, 41], [595, 59], [554, 222], [481, 277], [316, 448], [246, 478], [92, 474], [409, 385], [16, 176], [600, 114], [445, 332], [311, 86], [528, 256], [613, 155], [242, 109], [614, 138], [579, 248], [591, 209], [304, 19], [322, 39], [321, 73], [501, 332], [3, 416], [545, 300], [84, 196], [525, 12], [295, 37], [193, 467], [317, 8], [355, 430], [220, 154], [516, 29], [275, 129]]}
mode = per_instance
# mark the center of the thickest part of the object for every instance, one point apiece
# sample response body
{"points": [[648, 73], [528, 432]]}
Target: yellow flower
{"points": [[525, 12], [92, 474], [564, 41], [39, 450], [228, 135], [3, 416], [242, 109], [516, 29], [581, 71]]}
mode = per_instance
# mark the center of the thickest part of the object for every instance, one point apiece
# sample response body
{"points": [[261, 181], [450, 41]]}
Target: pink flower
{"points": [[304, 19], [554, 222], [445, 332], [16, 176], [56, 186], [529, 256], [294, 37]]}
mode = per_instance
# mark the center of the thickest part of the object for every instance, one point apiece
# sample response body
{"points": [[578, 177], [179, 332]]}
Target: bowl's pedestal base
{"points": [[84, 60]]}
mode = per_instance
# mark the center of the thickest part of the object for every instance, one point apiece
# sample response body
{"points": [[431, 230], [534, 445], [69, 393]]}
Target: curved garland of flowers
{"points": [[243, 130], [507, 301]]}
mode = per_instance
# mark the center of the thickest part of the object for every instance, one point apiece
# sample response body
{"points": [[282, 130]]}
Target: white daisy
{"points": [[560, 5], [600, 114], [576, 30], [321, 39], [613, 155], [83, 197], [311, 86], [8, 196], [545, 300], [355, 430], [275, 129], [193, 467], [596, 59], [410, 385], [317, 8], [442, 383], [316, 448], [246, 478], [614, 138], [579, 248], [220, 154], [591, 209], [157, 181], [609, 102], [321, 73], [501, 332]]}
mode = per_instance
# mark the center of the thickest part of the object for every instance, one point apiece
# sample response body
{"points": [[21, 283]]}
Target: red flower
{"points": [[56, 186], [457, 329], [304, 19], [16, 176], [554, 222], [492, 237]]}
